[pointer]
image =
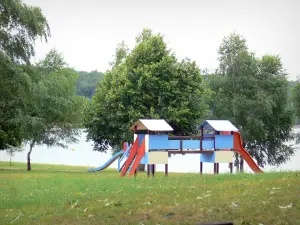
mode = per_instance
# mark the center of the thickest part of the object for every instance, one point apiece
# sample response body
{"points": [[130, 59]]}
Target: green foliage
{"points": [[54, 114], [120, 54], [20, 26], [87, 83], [296, 97], [252, 93], [53, 61], [39, 103], [148, 83], [296, 104], [14, 89], [11, 151]]}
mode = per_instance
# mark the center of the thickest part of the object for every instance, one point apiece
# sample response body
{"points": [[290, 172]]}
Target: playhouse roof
{"points": [[219, 125], [152, 125]]}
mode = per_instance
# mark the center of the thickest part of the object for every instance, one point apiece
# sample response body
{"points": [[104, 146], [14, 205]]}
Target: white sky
{"points": [[87, 32]]}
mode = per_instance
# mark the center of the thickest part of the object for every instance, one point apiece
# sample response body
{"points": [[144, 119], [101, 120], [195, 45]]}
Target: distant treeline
{"points": [[87, 83]]}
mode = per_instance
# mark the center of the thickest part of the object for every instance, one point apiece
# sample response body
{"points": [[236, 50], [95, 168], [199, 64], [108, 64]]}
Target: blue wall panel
{"points": [[191, 144], [224, 141], [207, 157], [158, 142], [141, 138], [145, 159], [207, 144], [173, 144]]}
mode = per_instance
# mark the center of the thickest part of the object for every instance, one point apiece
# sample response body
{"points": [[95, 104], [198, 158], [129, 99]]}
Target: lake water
{"points": [[84, 155]]}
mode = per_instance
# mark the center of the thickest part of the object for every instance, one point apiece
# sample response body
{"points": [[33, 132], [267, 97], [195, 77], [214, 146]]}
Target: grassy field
{"points": [[56, 194]]}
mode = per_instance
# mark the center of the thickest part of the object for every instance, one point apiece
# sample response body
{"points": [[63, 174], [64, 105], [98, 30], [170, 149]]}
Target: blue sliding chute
{"points": [[108, 163]]}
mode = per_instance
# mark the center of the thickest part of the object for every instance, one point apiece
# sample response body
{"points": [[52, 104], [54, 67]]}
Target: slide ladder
{"points": [[238, 147], [138, 158], [125, 155], [132, 154]]}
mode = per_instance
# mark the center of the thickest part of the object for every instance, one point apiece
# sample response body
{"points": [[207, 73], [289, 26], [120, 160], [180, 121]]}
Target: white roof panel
{"points": [[152, 125], [219, 125]]}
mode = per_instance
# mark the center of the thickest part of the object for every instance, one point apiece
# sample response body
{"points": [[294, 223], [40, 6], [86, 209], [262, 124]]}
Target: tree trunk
{"points": [[28, 155], [9, 160]]}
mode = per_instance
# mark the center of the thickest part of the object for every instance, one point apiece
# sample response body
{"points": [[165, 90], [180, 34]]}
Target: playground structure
{"points": [[217, 142]]}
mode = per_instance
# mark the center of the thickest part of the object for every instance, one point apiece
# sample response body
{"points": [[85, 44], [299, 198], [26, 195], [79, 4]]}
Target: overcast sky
{"points": [[87, 32]]}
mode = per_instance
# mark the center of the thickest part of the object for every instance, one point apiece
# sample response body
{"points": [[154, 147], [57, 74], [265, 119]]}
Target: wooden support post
{"points": [[181, 145], [218, 168], [201, 139], [148, 170], [241, 164], [166, 169], [153, 169], [135, 173], [230, 167], [201, 167]]}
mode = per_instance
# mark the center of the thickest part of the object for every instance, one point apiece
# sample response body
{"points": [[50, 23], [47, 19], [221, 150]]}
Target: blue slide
{"points": [[108, 163]]}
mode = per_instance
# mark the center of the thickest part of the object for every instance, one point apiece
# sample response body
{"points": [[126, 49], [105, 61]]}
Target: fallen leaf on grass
{"points": [[17, 218], [147, 203], [234, 204], [205, 196], [75, 204], [85, 210], [286, 207], [276, 188]]}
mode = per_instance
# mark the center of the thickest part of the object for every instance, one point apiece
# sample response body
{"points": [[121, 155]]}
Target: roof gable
{"points": [[219, 125], [152, 125]]}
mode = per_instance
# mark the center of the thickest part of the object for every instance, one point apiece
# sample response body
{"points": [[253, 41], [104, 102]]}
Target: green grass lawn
{"points": [[56, 194]]}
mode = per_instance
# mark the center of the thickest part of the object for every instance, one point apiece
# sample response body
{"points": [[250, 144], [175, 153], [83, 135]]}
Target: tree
{"points": [[12, 88], [11, 151], [252, 93], [296, 103], [54, 114], [296, 97], [87, 83], [120, 54], [146, 82], [20, 26]]}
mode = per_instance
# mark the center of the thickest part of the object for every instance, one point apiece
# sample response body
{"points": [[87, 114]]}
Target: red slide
{"points": [[238, 147], [131, 156], [138, 158]]}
